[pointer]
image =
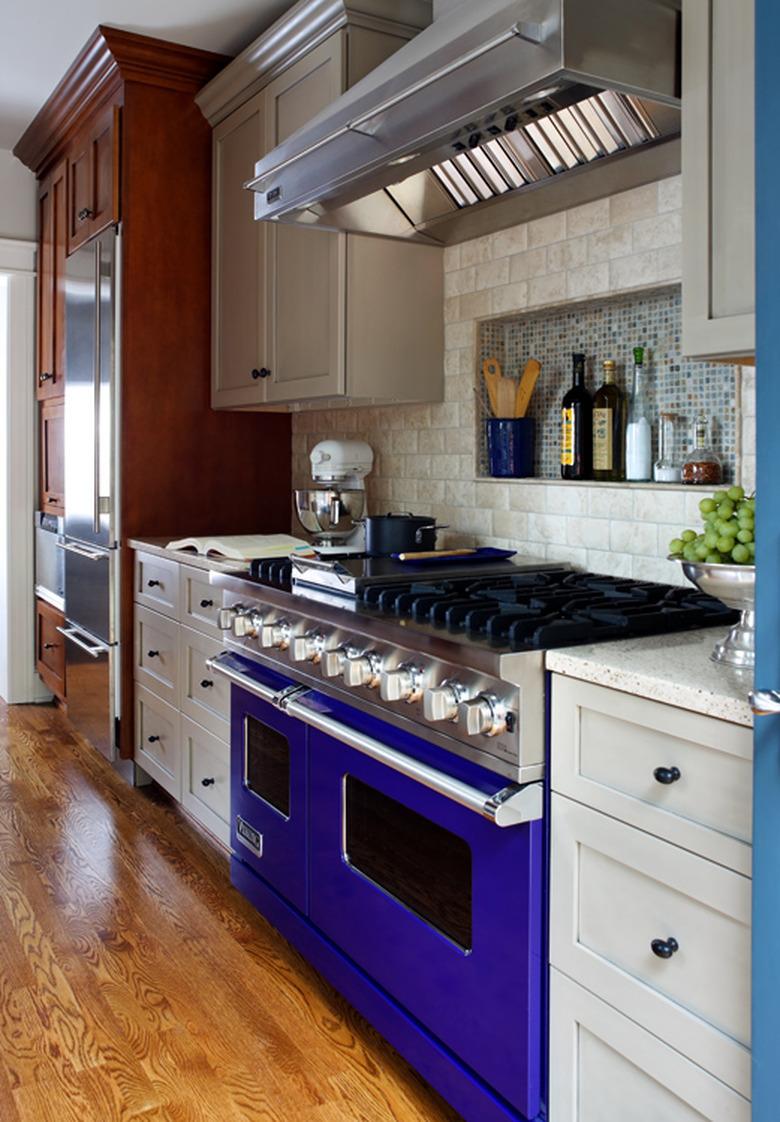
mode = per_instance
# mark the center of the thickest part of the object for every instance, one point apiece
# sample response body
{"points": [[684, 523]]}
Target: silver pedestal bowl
{"points": [[735, 586]]}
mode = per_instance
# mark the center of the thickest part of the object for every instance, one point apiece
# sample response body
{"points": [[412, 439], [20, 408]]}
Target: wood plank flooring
{"points": [[135, 983]]}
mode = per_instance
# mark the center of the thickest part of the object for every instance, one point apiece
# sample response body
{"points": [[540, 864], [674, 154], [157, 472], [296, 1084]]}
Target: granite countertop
{"points": [[673, 668], [156, 546]]}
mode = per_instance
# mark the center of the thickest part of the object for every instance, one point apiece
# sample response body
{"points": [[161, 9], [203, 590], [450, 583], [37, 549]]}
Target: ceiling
{"points": [[41, 39]]}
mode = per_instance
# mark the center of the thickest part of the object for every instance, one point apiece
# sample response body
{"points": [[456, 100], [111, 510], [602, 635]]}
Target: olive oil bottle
{"points": [[577, 426], [609, 429]]}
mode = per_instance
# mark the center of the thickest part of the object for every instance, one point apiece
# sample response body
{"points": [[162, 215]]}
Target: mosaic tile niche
{"points": [[610, 328]]}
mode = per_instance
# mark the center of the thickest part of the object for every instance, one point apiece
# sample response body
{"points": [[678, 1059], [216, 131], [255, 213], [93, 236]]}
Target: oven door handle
{"points": [[266, 693], [511, 806]]}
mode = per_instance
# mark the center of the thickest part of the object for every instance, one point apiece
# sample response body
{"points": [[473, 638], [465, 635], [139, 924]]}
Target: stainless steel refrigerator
{"points": [[91, 529]]}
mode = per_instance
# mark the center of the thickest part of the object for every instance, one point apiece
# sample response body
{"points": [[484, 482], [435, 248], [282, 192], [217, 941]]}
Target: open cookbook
{"points": [[243, 547]]}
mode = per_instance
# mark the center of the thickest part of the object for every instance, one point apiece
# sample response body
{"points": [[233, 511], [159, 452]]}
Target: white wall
{"points": [[425, 454], [17, 198]]}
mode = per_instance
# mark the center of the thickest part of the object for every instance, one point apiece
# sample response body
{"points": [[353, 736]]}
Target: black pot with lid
{"points": [[399, 532]]}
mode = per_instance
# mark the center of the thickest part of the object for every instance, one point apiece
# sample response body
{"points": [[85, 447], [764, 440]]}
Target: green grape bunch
{"points": [[728, 537]]}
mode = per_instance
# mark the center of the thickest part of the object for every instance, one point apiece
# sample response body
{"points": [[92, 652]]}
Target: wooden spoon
{"points": [[506, 389], [526, 387], [491, 372]]}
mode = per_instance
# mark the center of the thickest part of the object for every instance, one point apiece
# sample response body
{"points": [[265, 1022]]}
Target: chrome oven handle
{"points": [[510, 806], [82, 551], [217, 666], [75, 636]]}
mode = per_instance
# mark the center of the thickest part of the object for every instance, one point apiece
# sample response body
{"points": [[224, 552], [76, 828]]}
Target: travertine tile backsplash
{"points": [[426, 454]]}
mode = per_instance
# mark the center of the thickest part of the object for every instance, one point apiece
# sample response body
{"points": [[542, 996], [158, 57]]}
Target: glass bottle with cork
{"points": [[609, 428], [639, 430], [703, 466], [577, 425]]}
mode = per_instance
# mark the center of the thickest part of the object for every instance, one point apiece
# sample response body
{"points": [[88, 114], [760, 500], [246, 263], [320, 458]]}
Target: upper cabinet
{"points": [[307, 315], [93, 202], [718, 179], [52, 243]]}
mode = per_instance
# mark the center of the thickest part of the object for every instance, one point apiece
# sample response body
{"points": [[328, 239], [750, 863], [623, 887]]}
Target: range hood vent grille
{"points": [[599, 126]]}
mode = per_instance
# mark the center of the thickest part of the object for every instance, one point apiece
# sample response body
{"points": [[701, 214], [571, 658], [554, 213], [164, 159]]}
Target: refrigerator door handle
{"points": [[92, 647], [83, 551], [96, 395]]}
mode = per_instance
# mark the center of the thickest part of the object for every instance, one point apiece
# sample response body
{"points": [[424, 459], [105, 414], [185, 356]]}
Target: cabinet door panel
{"points": [[81, 202], [94, 180], [240, 341], [50, 647], [306, 277], [52, 457], [52, 239]]}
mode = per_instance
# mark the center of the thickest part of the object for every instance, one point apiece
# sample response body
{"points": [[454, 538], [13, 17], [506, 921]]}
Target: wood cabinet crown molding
{"points": [[111, 56], [297, 32]]}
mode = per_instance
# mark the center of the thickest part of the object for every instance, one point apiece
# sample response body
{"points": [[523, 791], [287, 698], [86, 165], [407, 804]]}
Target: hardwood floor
{"points": [[135, 983]]}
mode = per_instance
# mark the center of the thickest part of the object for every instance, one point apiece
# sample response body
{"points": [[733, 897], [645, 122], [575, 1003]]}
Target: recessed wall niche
{"points": [[610, 328]]}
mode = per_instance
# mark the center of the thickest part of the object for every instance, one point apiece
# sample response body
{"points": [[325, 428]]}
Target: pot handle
{"points": [[421, 530], [399, 514]]}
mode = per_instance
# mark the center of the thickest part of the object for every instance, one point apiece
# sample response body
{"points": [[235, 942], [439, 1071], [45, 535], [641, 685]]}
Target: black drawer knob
{"points": [[152, 654], [152, 739], [84, 213], [667, 775], [153, 584], [664, 948], [208, 782], [207, 603], [263, 372], [206, 683], [50, 646], [45, 376]]}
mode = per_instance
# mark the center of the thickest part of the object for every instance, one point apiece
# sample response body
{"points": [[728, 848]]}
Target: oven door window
{"points": [[416, 861], [267, 765]]}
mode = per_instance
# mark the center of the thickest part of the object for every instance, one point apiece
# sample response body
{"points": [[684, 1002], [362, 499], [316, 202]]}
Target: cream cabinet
{"points": [[304, 315], [182, 711], [718, 146], [649, 909]]}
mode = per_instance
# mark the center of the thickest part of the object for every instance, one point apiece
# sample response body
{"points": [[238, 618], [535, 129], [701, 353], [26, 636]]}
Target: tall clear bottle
{"points": [[639, 430]]}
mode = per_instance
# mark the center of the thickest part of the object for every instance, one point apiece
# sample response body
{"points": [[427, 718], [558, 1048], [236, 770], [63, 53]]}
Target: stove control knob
{"points": [[275, 635], [483, 715], [362, 670], [440, 703], [333, 662], [247, 624], [405, 683], [308, 647], [226, 616]]}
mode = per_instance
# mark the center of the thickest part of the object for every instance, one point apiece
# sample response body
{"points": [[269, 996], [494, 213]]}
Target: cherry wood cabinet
{"points": [[50, 647], [52, 241], [51, 448], [93, 201]]}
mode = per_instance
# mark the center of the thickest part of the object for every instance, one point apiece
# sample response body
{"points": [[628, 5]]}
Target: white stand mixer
{"points": [[330, 512]]}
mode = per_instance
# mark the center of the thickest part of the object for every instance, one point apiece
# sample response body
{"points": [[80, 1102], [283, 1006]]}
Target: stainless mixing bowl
{"points": [[735, 586], [329, 511]]}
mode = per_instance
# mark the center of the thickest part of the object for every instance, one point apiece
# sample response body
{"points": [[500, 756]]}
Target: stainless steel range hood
{"points": [[493, 100]]}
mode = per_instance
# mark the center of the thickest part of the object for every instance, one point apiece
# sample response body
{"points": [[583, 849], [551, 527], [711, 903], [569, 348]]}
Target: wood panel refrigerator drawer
{"points": [[682, 776], [661, 934], [158, 740], [608, 1069], [157, 654], [200, 602], [157, 584], [206, 779], [205, 697]]}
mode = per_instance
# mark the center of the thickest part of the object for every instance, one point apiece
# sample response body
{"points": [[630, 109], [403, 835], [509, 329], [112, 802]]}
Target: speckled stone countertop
{"points": [[673, 668], [156, 546]]}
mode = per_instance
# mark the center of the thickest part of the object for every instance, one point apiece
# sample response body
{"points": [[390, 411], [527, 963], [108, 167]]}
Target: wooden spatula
{"points": [[491, 372], [525, 387], [506, 388]]}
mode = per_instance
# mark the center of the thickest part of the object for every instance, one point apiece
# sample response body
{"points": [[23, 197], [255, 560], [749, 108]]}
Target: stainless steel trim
{"points": [[510, 806], [217, 666], [765, 703], [93, 648], [96, 374], [83, 551]]}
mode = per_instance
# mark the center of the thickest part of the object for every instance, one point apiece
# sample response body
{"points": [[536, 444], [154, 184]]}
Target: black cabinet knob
{"points": [[208, 782], [206, 683], [50, 646], [263, 372], [667, 775], [45, 376], [207, 603], [664, 948], [152, 739], [84, 213], [152, 654], [153, 584]]}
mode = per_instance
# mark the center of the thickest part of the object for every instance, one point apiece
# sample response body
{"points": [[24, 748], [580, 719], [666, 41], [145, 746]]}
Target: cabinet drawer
{"points": [[608, 1069], [206, 779], [157, 654], [614, 892], [200, 602], [50, 647], [157, 584], [158, 740], [205, 697], [608, 747]]}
